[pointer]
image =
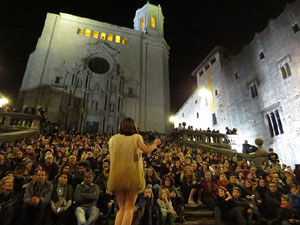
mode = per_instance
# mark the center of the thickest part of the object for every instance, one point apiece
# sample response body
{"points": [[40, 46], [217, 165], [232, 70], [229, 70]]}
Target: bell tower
{"points": [[149, 19]]}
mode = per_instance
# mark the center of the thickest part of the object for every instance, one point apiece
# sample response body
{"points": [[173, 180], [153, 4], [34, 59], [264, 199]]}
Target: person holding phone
{"points": [[126, 176], [61, 201]]}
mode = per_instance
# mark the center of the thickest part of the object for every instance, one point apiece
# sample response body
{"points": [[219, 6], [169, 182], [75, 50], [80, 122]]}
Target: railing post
{"points": [[7, 120], [35, 124]]}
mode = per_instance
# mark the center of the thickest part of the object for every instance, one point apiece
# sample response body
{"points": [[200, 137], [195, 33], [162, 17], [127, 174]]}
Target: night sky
{"points": [[192, 29]]}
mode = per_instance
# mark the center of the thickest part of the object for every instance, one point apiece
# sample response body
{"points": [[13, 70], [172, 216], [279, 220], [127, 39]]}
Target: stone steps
{"points": [[198, 214]]}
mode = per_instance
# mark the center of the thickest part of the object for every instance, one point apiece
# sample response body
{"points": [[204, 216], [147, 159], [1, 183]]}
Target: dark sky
{"points": [[192, 29]]}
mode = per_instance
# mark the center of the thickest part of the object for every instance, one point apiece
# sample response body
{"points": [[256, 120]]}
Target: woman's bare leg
{"points": [[130, 199], [121, 202]]}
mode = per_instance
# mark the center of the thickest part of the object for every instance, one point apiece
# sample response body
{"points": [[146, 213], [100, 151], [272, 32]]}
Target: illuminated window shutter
{"points": [[124, 41], [143, 23], [103, 36], [80, 31], [88, 32], [153, 21], [110, 37], [118, 39], [95, 34]]}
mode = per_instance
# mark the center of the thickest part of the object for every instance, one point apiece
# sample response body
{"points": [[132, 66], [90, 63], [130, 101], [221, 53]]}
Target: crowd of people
{"points": [[61, 178]]}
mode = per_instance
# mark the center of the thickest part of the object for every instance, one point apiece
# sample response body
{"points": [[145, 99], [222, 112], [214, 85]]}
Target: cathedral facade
{"points": [[89, 75], [256, 90]]}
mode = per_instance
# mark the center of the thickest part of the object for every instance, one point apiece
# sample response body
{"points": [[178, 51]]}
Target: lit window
{"points": [[124, 41], [88, 32], [96, 34], [118, 39], [103, 36], [80, 31], [110, 37], [142, 23], [153, 21]]}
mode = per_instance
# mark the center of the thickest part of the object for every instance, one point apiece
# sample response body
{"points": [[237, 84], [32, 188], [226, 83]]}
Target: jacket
{"points": [[44, 193], [86, 195]]}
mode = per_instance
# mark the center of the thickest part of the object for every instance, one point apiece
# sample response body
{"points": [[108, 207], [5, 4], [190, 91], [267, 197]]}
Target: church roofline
{"points": [[207, 59]]}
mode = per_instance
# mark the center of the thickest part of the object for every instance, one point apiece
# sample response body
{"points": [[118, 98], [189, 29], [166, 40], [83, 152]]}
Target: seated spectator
{"points": [[106, 199], [222, 180], [286, 214], [245, 206], [50, 167], [30, 154], [72, 162], [226, 210], [139, 209], [279, 183], [168, 214], [61, 201], [168, 182], [177, 170], [233, 183], [36, 199], [272, 201], [152, 209], [295, 197], [266, 167], [178, 204], [152, 180], [77, 177], [210, 190], [188, 185], [297, 172], [66, 170], [86, 196], [4, 165], [8, 201]]}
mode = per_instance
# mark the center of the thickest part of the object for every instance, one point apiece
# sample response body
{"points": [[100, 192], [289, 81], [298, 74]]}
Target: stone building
{"points": [[256, 90], [89, 75]]}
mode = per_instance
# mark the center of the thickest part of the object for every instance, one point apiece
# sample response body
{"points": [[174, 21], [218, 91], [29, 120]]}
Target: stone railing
{"points": [[222, 144], [207, 138], [15, 126], [19, 120]]}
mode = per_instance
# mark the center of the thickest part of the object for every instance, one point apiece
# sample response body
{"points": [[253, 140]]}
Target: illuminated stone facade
{"points": [[256, 90], [89, 75]]}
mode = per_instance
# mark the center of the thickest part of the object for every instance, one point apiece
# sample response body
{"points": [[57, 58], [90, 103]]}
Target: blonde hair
{"points": [[164, 190]]}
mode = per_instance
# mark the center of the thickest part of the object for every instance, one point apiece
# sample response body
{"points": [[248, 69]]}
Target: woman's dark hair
{"points": [[127, 127]]}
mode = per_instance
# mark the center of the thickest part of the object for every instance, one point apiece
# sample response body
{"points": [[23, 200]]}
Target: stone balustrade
{"points": [[208, 138], [21, 120], [221, 143], [15, 126]]}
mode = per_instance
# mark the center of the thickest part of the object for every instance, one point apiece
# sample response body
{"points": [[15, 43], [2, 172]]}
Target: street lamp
{"points": [[3, 101], [172, 119]]}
